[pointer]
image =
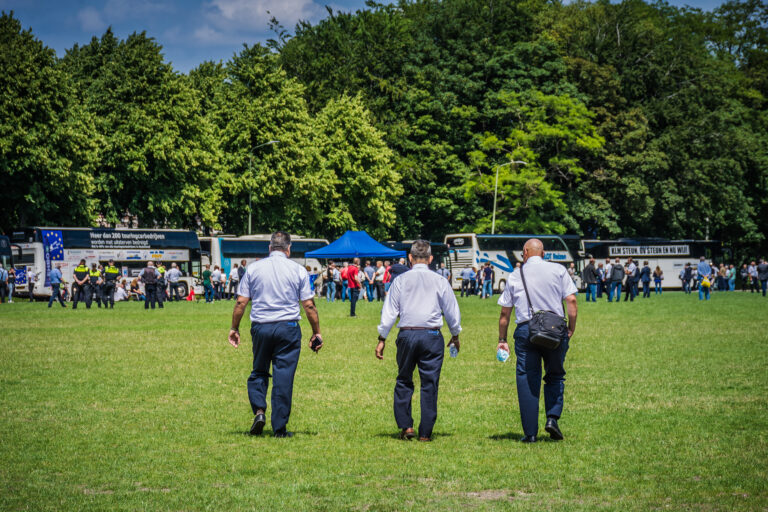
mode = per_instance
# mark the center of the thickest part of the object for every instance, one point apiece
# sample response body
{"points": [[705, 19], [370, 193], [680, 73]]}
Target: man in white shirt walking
{"points": [[420, 298], [275, 286], [548, 285]]}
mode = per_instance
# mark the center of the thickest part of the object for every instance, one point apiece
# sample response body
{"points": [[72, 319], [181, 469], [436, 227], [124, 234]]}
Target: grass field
{"points": [[126, 409]]}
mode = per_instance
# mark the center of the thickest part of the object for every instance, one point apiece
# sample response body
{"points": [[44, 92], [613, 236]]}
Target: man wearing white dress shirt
{"points": [[420, 298], [548, 285], [275, 286]]}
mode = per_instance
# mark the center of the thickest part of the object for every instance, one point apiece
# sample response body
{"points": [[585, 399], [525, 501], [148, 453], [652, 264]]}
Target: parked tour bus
{"points": [[225, 250], [669, 255], [439, 252], [42, 248], [502, 251]]}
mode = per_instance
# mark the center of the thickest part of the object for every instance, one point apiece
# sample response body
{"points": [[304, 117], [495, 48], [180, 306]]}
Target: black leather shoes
{"points": [[407, 434], [258, 424], [528, 439], [553, 429], [283, 434]]}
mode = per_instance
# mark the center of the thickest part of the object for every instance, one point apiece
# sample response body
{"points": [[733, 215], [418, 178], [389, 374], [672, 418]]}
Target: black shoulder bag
{"points": [[546, 329]]}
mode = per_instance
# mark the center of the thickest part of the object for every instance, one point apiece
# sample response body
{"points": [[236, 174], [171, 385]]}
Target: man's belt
{"points": [[419, 328]]}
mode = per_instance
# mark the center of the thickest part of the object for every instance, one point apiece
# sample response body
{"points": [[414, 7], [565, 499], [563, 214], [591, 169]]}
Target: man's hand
{"points": [[380, 350], [319, 338], [455, 341], [570, 332], [234, 338], [504, 346]]}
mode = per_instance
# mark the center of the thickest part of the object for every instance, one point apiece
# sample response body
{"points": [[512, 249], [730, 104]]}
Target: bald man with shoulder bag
{"points": [[537, 293]]}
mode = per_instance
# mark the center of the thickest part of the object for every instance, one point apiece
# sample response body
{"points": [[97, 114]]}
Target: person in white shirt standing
{"points": [[234, 280], [379, 280], [420, 298], [275, 286], [548, 285], [216, 282], [173, 276], [31, 280]]}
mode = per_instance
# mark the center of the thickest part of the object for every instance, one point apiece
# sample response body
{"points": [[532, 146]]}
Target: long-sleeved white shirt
{"points": [[420, 298]]}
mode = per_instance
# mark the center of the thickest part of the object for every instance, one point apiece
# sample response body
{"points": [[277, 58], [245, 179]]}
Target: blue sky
{"points": [[189, 31]]}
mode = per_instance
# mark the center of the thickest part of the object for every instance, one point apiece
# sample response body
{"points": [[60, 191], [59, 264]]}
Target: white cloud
{"points": [[209, 35], [133, 9], [91, 20], [255, 14]]}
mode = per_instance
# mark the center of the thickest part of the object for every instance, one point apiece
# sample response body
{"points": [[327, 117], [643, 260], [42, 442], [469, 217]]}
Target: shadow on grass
{"points": [[268, 433], [396, 435], [516, 436]]}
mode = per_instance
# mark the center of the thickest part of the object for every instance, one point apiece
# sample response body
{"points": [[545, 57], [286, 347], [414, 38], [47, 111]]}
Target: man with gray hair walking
{"points": [[420, 298], [275, 286]]}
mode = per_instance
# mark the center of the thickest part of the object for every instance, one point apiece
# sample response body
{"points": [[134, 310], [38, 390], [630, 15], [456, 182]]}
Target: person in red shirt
{"points": [[344, 282], [354, 285], [387, 277]]}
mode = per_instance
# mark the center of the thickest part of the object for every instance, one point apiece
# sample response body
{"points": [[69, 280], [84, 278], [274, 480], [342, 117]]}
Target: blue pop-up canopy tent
{"points": [[355, 244]]}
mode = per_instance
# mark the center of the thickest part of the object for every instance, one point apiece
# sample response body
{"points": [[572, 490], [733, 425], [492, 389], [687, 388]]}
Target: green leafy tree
{"points": [[358, 163], [551, 134], [158, 156], [47, 153]]}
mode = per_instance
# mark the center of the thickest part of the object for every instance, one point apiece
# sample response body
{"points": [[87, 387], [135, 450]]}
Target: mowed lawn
{"points": [[665, 408]]}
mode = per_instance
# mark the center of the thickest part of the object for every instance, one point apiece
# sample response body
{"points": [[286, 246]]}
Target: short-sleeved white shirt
{"points": [[548, 285], [276, 286]]}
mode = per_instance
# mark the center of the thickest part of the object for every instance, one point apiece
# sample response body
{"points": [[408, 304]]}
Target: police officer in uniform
{"points": [[420, 298], [149, 277], [111, 273], [275, 286], [161, 283], [548, 285], [81, 290], [95, 284]]}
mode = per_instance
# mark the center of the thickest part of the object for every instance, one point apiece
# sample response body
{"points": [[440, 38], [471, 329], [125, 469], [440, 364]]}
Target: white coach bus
{"points": [[669, 255], [42, 248], [225, 250], [502, 251]]}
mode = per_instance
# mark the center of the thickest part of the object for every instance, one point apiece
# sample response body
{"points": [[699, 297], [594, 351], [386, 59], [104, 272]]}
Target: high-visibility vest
{"points": [[111, 273]]}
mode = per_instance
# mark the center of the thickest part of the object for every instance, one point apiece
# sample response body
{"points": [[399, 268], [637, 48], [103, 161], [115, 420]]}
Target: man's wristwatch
{"points": [[502, 340], [235, 330]]}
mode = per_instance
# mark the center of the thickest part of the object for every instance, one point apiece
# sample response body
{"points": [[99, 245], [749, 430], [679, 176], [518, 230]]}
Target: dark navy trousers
{"points": [[278, 344], [529, 359], [424, 349]]}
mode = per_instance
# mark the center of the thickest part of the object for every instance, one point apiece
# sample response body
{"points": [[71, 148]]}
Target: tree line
{"points": [[631, 119]]}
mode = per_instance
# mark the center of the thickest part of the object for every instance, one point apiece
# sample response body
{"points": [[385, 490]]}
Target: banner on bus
{"points": [[649, 250], [108, 238], [128, 255]]}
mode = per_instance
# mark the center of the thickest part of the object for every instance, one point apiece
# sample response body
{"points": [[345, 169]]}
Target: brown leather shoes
{"points": [[425, 439], [407, 434]]}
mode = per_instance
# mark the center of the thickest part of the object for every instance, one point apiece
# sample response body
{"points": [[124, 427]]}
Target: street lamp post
{"points": [[250, 193], [496, 190]]}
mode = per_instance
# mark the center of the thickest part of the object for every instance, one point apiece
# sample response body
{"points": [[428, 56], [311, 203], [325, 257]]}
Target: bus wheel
{"points": [[502, 285], [183, 291]]}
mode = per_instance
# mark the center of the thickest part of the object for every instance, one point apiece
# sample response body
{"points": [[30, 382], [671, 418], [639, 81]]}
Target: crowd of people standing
{"points": [[610, 278]]}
